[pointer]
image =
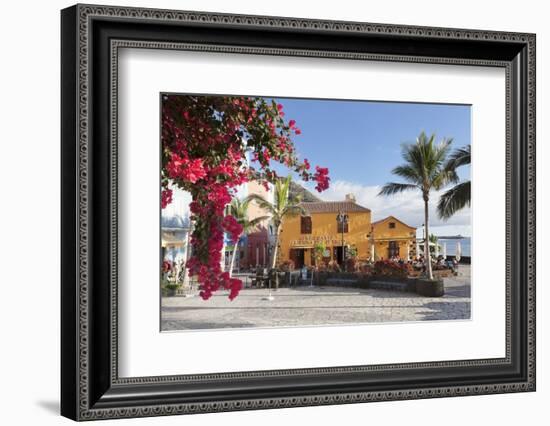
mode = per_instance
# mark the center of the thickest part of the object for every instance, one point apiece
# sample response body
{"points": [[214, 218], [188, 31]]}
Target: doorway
{"points": [[339, 255], [393, 249], [298, 257]]}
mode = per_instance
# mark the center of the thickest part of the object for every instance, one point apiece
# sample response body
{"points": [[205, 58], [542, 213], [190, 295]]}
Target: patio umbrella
{"points": [[417, 248], [444, 250], [436, 250], [372, 252], [408, 253], [458, 251]]}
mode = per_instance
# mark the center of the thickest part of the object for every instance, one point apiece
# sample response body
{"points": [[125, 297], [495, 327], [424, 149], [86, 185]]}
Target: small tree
{"points": [[435, 241], [318, 253], [351, 258], [239, 210], [284, 205]]}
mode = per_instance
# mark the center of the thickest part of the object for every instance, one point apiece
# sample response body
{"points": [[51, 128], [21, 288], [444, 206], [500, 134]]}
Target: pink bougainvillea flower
{"points": [[195, 170], [233, 228], [321, 177], [203, 153], [166, 197], [182, 168]]}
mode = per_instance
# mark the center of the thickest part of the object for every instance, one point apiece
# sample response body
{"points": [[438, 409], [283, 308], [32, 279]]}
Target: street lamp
{"points": [[342, 219]]}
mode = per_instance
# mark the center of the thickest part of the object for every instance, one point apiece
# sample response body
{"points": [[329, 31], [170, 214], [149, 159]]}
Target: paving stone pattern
{"points": [[304, 306]]}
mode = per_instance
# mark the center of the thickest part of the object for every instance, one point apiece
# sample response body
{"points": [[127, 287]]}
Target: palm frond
{"points": [[257, 220], [250, 225], [408, 172], [282, 190], [444, 177], [460, 157], [454, 200], [238, 208], [424, 166], [261, 202], [394, 188], [294, 210]]}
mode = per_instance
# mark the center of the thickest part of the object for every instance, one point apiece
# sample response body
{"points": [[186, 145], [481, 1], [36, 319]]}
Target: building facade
{"points": [[174, 237], [254, 249], [392, 238], [340, 226]]}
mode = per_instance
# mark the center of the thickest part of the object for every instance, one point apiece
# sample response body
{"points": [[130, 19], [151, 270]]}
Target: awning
{"points": [[171, 239], [394, 239]]}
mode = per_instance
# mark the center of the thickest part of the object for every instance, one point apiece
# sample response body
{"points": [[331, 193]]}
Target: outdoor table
{"points": [[294, 277]]}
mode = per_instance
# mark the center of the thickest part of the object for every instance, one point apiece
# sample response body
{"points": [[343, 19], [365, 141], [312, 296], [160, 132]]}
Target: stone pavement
{"points": [[316, 306]]}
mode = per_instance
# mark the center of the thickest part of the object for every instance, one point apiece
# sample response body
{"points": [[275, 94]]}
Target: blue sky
{"points": [[360, 143]]}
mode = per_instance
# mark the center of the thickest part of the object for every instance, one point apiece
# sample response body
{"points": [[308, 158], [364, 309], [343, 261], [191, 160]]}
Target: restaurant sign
{"points": [[311, 240]]}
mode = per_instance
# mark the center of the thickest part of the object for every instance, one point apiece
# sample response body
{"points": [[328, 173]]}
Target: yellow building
{"points": [[300, 234], [391, 237]]}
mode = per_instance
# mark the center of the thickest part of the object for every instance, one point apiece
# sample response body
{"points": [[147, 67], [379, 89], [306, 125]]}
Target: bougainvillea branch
{"points": [[207, 142]]}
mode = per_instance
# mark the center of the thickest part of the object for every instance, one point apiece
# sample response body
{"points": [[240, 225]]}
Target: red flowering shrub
{"points": [[333, 266], [388, 268], [366, 268], [352, 265], [206, 141], [166, 266], [288, 265]]}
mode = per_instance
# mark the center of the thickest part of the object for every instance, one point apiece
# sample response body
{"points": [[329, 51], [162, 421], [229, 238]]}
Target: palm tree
{"points": [[458, 196], [435, 241], [424, 170], [239, 210], [282, 206]]}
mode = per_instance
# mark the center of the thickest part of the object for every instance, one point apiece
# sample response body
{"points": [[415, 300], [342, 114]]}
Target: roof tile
{"points": [[333, 207]]}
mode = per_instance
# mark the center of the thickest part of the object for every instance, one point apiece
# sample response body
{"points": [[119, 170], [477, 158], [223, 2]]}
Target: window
{"points": [[392, 225], [305, 225], [343, 226], [393, 249]]}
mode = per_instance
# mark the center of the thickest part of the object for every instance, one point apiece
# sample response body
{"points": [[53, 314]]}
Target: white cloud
{"points": [[179, 205], [406, 206]]}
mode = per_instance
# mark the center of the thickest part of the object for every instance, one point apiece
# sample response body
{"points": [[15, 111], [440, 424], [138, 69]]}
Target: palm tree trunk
{"points": [[274, 258], [275, 248], [427, 255], [233, 255]]}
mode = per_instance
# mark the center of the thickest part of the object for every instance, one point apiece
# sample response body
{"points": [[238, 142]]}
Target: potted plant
{"points": [[171, 289], [430, 287], [169, 285], [318, 253], [351, 259]]}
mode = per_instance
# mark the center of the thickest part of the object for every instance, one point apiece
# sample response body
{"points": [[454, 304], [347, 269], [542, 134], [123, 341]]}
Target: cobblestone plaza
{"points": [[305, 306]]}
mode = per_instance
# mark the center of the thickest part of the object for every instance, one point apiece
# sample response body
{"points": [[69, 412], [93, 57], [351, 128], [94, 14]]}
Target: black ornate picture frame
{"points": [[91, 36]]}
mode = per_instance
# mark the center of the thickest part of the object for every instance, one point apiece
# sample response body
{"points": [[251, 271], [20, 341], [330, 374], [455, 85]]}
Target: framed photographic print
{"points": [[263, 212]]}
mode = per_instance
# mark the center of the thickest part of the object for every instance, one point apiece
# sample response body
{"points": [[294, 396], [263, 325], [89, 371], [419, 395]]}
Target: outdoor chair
{"points": [[260, 280]]}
